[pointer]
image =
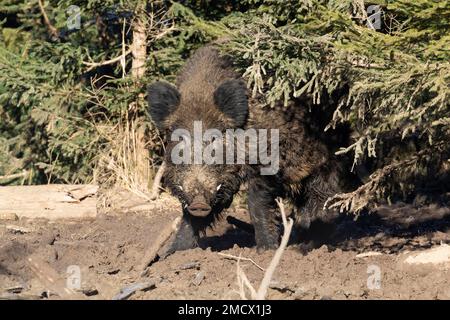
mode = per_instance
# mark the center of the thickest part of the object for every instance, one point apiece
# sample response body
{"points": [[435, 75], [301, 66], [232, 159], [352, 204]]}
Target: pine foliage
{"points": [[64, 94]]}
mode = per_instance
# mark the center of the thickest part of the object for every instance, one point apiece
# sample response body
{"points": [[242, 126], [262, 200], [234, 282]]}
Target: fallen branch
{"points": [[229, 256], [243, 283], [53, 31], [128, 291], [49, 201], [164, 32], [157, 181], [265, 283], [22, 174], [17, 229], [151, 253], [261, 294]]}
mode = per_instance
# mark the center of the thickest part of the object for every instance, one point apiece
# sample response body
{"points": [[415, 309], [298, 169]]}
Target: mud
{"points": [[352, 260]]}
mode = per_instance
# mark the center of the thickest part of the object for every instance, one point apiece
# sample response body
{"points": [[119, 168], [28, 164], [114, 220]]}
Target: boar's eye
{"points": [[231, 98]]}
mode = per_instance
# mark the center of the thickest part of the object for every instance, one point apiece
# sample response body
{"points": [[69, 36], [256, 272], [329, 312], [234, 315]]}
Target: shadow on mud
{"points": [[388, 230], [231, 238], [372, 232]]}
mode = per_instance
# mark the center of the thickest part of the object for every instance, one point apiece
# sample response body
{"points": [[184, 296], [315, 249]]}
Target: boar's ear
{"points": [[163, 99], [231, 98]]}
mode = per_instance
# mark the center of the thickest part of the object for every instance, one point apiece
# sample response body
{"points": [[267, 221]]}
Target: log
{"points": [[49, 201], [151, 253]]}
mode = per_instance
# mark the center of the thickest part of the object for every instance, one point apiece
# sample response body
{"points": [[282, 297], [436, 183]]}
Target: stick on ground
{"points": [[242, 278], [157, 181], [151, 253], [229, 256]]}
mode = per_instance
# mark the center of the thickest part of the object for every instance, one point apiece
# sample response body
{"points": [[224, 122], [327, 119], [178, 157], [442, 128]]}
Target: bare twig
{"points": [[151, 253], [261, 294], [363, 64], [164, 32], [242, 278], [243, 283], [229, 256], [93, 65], [360, 198], [157, 181], [122, 59], [22, 174], [53, 31], [126, 292]]}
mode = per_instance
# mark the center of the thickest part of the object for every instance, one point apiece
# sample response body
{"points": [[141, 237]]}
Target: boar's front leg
{"points": [[186, 237], [263, 208], [188, 234]]}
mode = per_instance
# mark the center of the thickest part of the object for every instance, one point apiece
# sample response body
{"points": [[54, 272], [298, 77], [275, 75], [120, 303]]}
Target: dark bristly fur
{"points": [[231, 99], [208, 90], [165, 99]]}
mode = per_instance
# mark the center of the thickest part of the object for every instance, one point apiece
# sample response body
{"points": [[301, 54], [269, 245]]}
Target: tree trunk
{"points": [[139, 47], [139, 53]]}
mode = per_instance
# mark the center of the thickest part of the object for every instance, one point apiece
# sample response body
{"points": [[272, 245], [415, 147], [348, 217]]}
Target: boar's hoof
{"points": [[261, 249]]}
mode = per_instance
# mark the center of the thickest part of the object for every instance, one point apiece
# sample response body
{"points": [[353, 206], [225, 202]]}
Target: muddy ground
{"points": [[109, 249]]}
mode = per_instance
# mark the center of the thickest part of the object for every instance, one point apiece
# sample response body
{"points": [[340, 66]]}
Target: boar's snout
{"points": [[199, 207]]}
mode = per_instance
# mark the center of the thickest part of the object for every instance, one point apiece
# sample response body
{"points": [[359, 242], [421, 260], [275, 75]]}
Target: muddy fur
{"points": [[208, 89]]}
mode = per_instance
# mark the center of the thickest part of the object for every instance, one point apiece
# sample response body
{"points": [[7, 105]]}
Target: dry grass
{"points": [[126, 162]]}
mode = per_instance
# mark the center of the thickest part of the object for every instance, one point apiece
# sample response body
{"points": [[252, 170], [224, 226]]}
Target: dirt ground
{"points": [[109, 249]]}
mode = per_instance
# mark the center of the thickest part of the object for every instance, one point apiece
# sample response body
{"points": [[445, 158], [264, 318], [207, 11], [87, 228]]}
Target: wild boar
{"points": [[211, 94]]}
